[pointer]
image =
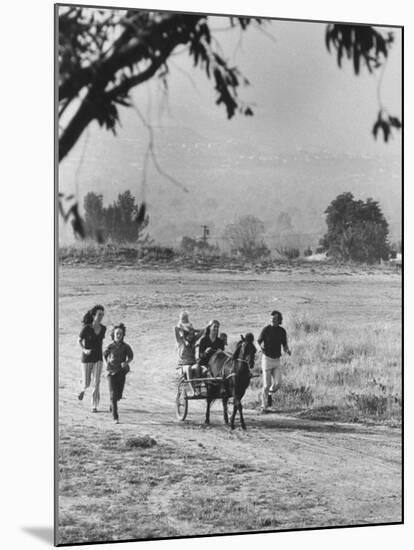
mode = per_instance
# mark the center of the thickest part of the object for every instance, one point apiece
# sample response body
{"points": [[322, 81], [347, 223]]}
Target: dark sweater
{"points": [[115, 354], [273, 339], [207, 343], [93, 342]]}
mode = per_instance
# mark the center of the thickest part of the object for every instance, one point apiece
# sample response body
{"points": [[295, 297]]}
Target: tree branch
{"points": [[165, 37], [152, 152]]}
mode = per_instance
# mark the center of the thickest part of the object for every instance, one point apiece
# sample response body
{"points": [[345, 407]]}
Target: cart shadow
{"points": [[254, 422]]}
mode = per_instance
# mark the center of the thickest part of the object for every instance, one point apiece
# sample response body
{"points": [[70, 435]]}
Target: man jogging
{"points": [[271, 340]]}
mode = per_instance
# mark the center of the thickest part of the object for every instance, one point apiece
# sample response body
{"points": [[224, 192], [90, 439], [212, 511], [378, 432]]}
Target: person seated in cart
{"points": [[209, 344], [186, 337]]}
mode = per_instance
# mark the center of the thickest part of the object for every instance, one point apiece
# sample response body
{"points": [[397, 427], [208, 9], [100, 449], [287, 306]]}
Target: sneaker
{"points": [[264, 410], [80, 396], [94, 410], [116, 421]]}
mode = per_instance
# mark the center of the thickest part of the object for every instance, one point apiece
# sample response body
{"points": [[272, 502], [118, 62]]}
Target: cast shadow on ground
{"points": [[43, 533], [273, 422], [270, 421]]}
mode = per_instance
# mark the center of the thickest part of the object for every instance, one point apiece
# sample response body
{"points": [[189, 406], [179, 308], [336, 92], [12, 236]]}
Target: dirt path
{"points": [[293, 472]]}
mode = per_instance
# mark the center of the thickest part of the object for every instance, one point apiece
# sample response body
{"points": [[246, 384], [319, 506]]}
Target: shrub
{"points": [[290, 253], [141, 441], [374, 404], [306, 325], [157, 253]]}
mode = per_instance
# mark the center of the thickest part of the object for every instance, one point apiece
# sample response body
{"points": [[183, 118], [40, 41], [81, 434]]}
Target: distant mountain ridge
{"points": [[228, 178]]}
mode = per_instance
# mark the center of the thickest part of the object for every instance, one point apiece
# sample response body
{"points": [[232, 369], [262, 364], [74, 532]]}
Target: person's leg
{"points": [[197, 371], [96, 375], [267, 381], [188, 371], [275, 381], [112, 395], [122, 378], [118, 381], [276, 377], [86, 370]]}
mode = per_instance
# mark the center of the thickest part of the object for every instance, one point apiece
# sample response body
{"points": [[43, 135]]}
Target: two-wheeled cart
{"points": [[189, 390]]}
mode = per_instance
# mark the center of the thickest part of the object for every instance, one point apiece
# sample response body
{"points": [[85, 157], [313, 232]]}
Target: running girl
{"points": [[117, 357], [90, 340]]}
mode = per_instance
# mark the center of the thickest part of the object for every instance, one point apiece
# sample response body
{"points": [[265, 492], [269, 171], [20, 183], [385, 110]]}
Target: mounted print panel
{"points": [[229, 265]]}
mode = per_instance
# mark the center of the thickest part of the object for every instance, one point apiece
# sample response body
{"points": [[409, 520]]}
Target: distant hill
{"points": [[229, 178]]}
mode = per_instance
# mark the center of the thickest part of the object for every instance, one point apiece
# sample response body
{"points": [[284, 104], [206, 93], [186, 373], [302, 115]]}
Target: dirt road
{"points": [[282, 473]]}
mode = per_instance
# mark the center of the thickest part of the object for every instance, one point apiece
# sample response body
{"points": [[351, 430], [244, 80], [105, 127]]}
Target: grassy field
{"points": [[342, 373], [329, 454]]}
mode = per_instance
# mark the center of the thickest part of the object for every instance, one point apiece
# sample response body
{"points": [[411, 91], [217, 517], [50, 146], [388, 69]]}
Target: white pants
{"points": [[187, 370], [272, 376], [91, 373]]}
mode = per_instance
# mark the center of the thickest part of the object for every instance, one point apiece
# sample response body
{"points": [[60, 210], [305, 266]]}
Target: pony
{"points": [[235, 373]]}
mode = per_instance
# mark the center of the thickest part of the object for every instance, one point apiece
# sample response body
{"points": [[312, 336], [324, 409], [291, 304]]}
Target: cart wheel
{"points": [[181, 403]]}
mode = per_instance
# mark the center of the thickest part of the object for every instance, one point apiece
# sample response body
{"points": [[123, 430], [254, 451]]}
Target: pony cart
{"points": [[228, 377], [188, 390]]}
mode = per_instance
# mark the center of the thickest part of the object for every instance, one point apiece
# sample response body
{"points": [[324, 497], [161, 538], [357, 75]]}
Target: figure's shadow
{"points": [[43, 533], [272, 421]]}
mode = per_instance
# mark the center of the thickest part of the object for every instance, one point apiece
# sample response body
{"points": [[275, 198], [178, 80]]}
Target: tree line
{"points": [[356, 230], [122, 221]]}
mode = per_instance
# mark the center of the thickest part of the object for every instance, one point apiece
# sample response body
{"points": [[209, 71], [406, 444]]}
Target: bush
{"points": [[374, 404], [157, 253], [190, 245], [143, 441], [290, 253], [307, 252], [307, 325]]}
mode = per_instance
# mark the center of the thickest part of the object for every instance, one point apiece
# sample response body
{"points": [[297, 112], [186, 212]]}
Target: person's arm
{"points": [[105, 357], [202, 348], [82, 342], [179, 336], [260, 339], [129, 355], [286, 348]]}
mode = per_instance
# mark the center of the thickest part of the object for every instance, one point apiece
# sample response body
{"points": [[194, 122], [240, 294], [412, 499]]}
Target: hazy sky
{"points": [[302, 98], [302, 102]]}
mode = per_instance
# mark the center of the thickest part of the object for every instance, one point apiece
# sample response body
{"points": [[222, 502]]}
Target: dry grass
{"points": [[112, 490], [185, 479], [343, 371]]}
